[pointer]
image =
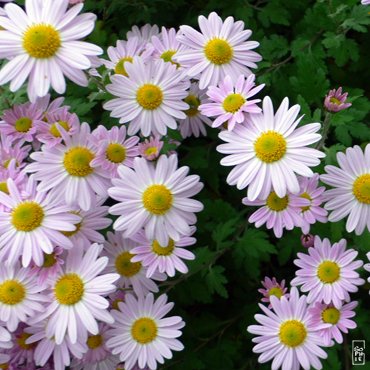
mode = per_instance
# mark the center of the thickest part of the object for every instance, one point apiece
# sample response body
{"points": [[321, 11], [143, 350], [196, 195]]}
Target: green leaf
{"points": [[216, 280]]}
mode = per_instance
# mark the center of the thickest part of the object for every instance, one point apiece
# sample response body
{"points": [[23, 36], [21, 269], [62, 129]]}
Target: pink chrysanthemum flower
{"points": [[307, 240], [51, 267], [47, 347], [220, 50], [150, 148], [310, 190], [150, 98], [328, 273], [125, 51], [42, 44], [20, 122], [48, 132], [230, 101], [19, 178], [76, 298], [46, 105], [32, 225], [337, 320], [98, 356], [335, 101], [65, 170], [287, 336], [268, 151], [19, 296], [144, 34], [132, 274], [351, 194], [166, 259], [114, 148], [10, 150], [22, 353], [365, 2], [90, 222], [273, 288], [194, 122], [5, 344], [142, 334], [277, 213], [156, 199]]}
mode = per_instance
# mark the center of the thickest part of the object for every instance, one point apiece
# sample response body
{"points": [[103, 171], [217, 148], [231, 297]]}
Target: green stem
{"points": [[325, 130]]}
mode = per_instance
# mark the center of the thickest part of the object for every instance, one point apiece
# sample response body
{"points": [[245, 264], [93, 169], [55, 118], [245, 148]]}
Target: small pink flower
{"points": [[22, 353], [273, 288], [150, 149], [230, 101], [365, 2], [337, 320], [12, 151], [307, 240], [335, 101], [46, 106]]}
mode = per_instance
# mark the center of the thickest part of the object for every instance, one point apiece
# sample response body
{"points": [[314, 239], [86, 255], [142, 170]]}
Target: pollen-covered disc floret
{"points": [[328, 273], [76, 296], [42, 44], [350, 195], [157, 199], [268, 151], [337, 320], [31, 226], [19, 296], [65, 170], [133, 275], [278, 213], [220, 49], [286, 334], [229, 102], [150, 98], [140, 323]]}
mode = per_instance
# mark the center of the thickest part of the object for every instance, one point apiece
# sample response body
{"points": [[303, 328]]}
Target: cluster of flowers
{"points": [[294, 327]]}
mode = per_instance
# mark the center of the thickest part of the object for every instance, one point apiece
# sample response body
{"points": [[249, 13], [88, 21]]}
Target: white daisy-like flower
{"points": [[65, 170], [268, 151], [142, 334], [19, 296], [351, 194], [76, 298], [155, 198], [219, 50], [150, 98], [42, 44], [132, 274], [32, 225]]}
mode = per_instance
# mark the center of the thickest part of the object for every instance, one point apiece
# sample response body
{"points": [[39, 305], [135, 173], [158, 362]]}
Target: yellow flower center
{"points": [[4, 187], [94, 341], [292, 333], [233, 102], [149, 96], [69, 289], [27, 216], [167, 57], [276, 291], [49, 260], [6, 366], [115, 303], [163, 251], [218, 51], [120, 66], [41, 41], [328, 272], [144, 330], [335, 101], [275, 203], [77, 161], [194, 103], [23, 124], [12, 292], [361, 188], [21, 341], [157, 199], [306, 196], [116, 153], [55, 131], [151, 150], [124, 266], [330, 315], [270, 146]]}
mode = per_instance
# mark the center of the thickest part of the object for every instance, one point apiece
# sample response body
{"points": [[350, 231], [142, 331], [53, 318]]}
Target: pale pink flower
{"points": [[5, 344], [273, 288], [307, 240], [13, 151], [151, 148], [335, 101]]}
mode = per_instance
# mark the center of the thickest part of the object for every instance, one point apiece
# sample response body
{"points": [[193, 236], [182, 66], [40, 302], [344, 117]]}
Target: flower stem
{"points": [[325, 131]]}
